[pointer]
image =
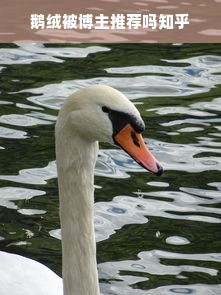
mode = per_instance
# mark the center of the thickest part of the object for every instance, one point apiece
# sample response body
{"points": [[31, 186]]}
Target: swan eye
{"points": [[105, 110]]}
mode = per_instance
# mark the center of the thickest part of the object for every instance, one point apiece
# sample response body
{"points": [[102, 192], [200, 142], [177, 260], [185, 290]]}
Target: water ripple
{"points": [[187, 204], [136, 87], [149, 263], [114, 163], [12, 133], [28, 53], [180, 99], [8, 195], [174, 80]]}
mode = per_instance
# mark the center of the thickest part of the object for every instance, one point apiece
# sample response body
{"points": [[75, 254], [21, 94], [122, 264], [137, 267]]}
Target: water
{"points": [[154, 235]]}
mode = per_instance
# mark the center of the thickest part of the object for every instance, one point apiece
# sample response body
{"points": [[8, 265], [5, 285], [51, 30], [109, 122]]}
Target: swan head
{"points": [[102, 113]]}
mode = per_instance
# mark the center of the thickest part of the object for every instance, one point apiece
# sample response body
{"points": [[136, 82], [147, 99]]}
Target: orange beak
{"points": [[132, 142]]}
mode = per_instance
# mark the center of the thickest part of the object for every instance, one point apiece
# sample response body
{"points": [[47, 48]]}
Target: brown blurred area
{"points": [[204, 18]]}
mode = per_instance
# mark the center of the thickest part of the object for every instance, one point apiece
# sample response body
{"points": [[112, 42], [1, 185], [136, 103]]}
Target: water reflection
{"points": [[28, 53], [162, 233], [8, 195], [12, 133]]}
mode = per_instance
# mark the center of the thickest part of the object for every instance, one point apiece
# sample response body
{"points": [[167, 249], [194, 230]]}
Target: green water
{"points": [[155, 235]]}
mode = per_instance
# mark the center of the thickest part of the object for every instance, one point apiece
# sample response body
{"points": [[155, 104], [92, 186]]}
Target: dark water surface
{"points": [[156, 235]]}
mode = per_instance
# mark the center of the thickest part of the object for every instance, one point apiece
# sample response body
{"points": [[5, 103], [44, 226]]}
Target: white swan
{"points": [[96, 113]]}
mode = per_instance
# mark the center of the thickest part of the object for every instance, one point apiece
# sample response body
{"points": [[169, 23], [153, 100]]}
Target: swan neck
{"points": [[76, 160]]}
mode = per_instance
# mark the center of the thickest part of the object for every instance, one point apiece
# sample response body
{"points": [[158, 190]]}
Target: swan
{"points": [[95, 113]]}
